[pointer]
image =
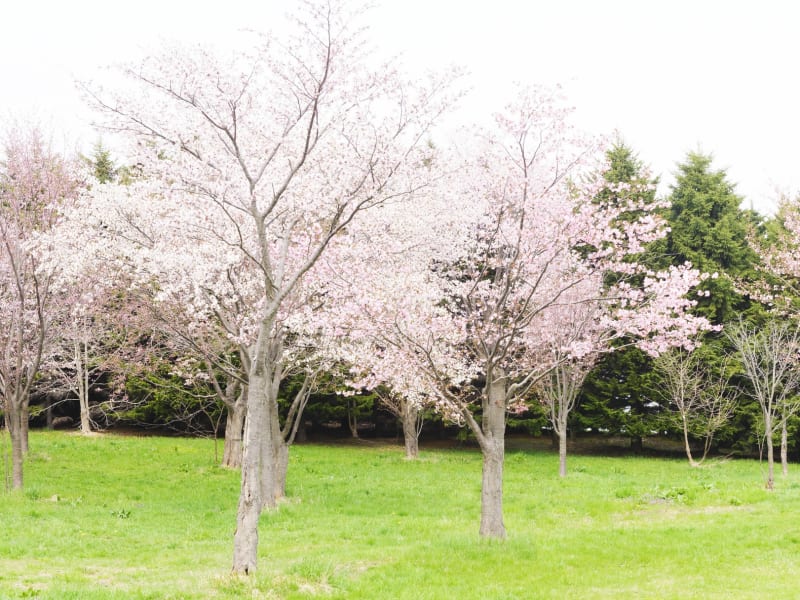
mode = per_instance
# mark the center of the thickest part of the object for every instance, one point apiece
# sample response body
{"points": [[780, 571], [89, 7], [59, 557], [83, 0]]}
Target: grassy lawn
{"points": [[131, 517]]}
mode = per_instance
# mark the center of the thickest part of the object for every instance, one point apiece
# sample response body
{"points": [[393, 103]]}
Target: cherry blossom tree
{"points": [[254, 164], [411, 415], [470, 305], [587, 321], [34, 181]]}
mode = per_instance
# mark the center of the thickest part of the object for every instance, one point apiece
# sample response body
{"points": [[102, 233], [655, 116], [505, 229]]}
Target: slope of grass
{"points": [[128, 517]]}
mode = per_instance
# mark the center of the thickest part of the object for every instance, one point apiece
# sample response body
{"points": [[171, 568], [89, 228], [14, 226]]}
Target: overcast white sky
{"points": [[670, 75]]}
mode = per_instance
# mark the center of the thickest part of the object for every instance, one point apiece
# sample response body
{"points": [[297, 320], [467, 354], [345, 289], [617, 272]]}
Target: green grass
{"points": [[129, 517]]}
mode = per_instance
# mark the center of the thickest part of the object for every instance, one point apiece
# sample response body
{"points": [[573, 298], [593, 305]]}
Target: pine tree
{"points": [[102, 164], [709, 229]]}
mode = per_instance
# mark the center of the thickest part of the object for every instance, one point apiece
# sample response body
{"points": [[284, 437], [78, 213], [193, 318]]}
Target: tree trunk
{"points": [[637, 444], [770, 455], [493, 448], [784, 448], [686, 446], [273, 481], [245, 539], [410, 423], [86, 422], [82, 366], [562, 452], [15, 431], [234, 432], [281, 469], [352, 419]]}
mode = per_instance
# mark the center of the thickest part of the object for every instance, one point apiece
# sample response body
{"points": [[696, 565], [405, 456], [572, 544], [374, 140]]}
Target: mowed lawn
{"points": [[148, 517]]}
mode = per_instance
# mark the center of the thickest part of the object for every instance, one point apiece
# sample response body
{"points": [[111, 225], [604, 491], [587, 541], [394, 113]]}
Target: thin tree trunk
{"points": [[234, 432], [686, 446], [352, 419], [770, 455], [784, 448], [493, 448], [82, 361]]}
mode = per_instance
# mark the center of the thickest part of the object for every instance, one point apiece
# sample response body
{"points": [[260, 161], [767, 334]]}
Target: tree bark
{"points": [[770, 455], [245, 539], [686, 446], [15, 431], [82, 366], [493, 448], [352, 418], [562, 452], [234, 434], [784, 448], [410, 421], [86, 422], [281, 469], [272, 443]]}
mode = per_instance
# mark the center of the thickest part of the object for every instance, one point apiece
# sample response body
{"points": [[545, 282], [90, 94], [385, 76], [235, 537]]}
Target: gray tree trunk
{"points": [[352, 418], [770, 454], [686, 446], [493, 448], [15, 431], [784, 448], [234, 434], [562, 452], [82, 367], [410, 422], [281, 468], [257, 430], [245, 539], [272, 447]]}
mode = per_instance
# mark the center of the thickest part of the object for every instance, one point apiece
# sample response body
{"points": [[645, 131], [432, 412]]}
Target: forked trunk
{"points": [[86, 422], [410, 423], [493, 448], [234, 433]]}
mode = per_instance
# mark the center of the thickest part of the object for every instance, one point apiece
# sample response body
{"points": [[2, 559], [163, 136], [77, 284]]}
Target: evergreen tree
{"points": [[709, 229], [617, 396], [103, 166]]}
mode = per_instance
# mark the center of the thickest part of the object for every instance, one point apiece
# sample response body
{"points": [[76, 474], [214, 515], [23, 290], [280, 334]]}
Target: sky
{"points": [[670, 76]]}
